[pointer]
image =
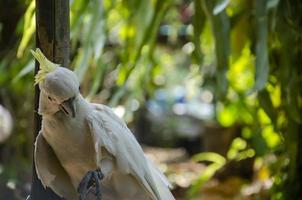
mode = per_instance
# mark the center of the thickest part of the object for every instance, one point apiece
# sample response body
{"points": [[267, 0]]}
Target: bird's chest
{"points": [[66, 134], [72, 143]]}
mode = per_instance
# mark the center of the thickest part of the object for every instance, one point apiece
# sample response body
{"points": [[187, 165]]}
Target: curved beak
{"points": [[68, 107]]}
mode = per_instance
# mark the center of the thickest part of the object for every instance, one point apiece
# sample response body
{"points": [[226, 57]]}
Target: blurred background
{"points": [[210, 88]]}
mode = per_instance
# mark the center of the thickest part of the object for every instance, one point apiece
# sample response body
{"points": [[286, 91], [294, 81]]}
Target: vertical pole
{"points": [[52, 37]]}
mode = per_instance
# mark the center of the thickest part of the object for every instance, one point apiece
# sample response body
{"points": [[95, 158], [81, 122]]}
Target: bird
{"points": [[83, 150]]}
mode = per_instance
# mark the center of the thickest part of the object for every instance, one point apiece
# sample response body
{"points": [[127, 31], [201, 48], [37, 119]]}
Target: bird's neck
{"points": [[45, 106], [82, 104]]}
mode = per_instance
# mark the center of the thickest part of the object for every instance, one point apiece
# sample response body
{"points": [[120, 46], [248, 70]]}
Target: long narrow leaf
{"points": [[209, 156], [29, 28], [198, 24], [221, 29], [220, 6], [262, 64]]}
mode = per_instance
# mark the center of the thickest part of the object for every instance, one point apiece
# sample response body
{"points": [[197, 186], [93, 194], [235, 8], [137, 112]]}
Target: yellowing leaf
{"points": [[29, 28], [241, 71]]}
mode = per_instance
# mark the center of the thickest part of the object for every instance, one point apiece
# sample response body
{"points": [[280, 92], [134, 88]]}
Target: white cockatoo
{"points": [[84, 148]]}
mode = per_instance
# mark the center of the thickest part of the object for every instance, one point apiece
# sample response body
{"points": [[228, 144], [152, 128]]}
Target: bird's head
{"points": [[59, 84]]}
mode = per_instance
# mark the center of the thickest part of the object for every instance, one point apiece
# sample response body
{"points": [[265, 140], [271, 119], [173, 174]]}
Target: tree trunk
{"points": [[52, 37]]}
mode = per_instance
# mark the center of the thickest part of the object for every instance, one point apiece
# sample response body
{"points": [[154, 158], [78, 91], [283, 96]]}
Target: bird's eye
{"points": [[79, 87], [49, 98]]}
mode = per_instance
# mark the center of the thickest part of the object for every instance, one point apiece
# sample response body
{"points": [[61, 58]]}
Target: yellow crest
{"points": [[46, 66]]}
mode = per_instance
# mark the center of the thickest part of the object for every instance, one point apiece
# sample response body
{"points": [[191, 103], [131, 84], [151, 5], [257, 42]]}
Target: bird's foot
{"points": [[91, 180]]}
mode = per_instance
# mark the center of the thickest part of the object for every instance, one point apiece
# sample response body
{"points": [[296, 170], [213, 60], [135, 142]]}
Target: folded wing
{"points": [[50, 171], [111, 133]]}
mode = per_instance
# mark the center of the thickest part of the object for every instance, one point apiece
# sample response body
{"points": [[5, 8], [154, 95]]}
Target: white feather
{"points": [[112, 133], [96, 138]]}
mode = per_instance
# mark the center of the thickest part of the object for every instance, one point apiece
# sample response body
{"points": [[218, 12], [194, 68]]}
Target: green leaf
{"points": [[258, 141], [118, 95], [160, 10], [267, 105], [93, 39], [27, 69], [262, 64], [221, 29], [272, 4], [227, 115], [82, 63], [198, 24], [77, 10], [220, 6], [292, 99], [29, 28], [209, 156], [218, 162], [97, 78], [202, 179]]}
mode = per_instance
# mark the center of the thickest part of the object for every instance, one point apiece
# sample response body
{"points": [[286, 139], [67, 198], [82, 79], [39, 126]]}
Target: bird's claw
{"points": [[91, 180]]}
